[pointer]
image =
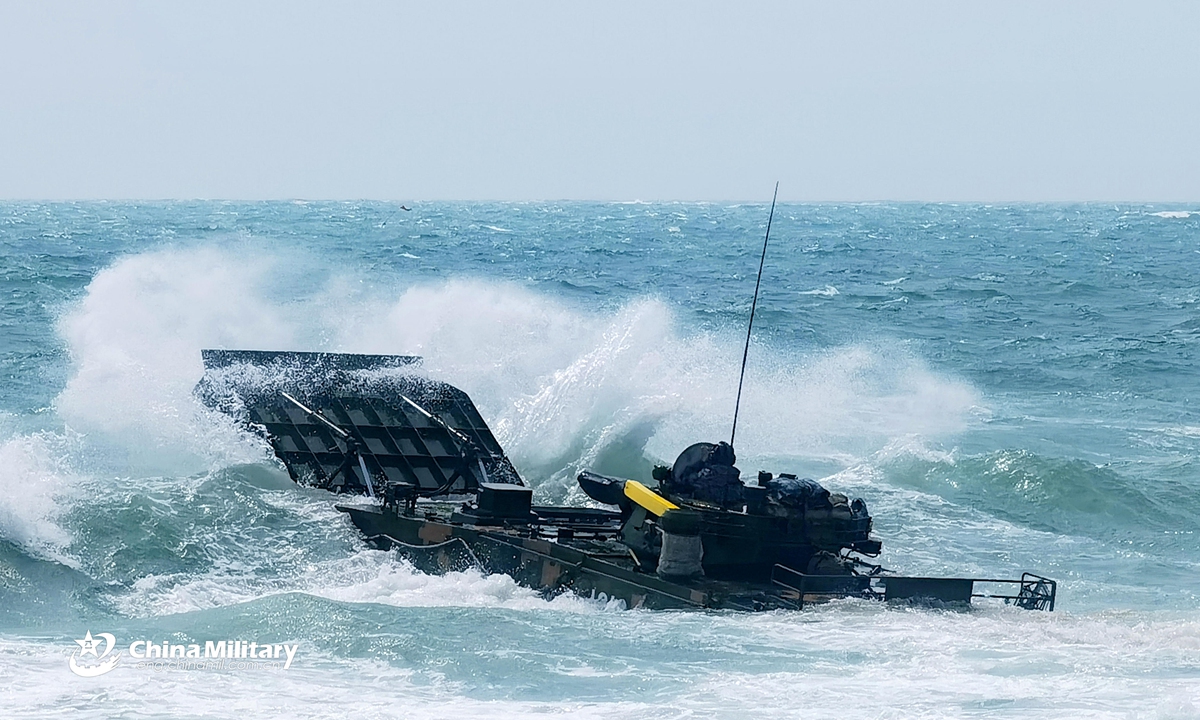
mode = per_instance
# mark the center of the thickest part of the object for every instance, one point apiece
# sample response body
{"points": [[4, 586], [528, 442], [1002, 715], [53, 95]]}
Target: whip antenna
{"points": [[753, 306]]}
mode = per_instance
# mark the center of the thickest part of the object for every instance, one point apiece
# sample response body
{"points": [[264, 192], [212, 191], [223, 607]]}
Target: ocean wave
{"points": [[1059, 495], [35, 474], [135, 339], [998, 662], [560, 386]]}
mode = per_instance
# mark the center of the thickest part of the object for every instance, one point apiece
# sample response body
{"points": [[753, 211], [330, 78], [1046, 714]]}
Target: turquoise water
{"points": [[1009, 387]]}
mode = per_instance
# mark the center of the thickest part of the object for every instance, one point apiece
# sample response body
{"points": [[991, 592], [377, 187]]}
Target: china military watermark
{"points": [[95, 655]]}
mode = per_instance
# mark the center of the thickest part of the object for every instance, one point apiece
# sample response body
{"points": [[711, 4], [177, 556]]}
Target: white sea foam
{"points": [[1188, 431], [827, 291], [1175, 214], [34, 476], [560, 385], [367, 576], [847, 660], [564, 388], [135, 341], [373, 577]]}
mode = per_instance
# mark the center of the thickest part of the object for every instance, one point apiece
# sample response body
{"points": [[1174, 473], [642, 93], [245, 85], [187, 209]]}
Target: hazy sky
{"points": [[605, 100]]}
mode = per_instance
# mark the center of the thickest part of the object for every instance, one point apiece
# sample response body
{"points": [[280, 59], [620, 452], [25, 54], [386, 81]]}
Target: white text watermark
{"points": [[96, 656]]}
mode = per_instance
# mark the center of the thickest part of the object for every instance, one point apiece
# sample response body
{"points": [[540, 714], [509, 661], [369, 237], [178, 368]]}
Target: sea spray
{"points": [[35, 476], [558, 384]]}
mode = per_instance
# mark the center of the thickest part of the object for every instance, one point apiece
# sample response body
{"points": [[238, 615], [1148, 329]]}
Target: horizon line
{"points": [[633, 201]]}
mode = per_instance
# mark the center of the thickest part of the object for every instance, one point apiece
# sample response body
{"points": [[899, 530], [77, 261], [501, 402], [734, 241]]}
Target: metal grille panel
{"points": [[363, 395]]}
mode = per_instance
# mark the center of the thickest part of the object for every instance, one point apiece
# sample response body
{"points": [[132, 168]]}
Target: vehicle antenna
{"points": [[753, 306]]}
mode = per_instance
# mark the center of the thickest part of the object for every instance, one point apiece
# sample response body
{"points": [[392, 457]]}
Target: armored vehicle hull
{"points": [[586, 560], [440, 491]]}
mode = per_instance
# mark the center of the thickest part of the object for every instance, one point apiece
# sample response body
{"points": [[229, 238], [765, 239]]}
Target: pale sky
{"points": [[986, 101]]}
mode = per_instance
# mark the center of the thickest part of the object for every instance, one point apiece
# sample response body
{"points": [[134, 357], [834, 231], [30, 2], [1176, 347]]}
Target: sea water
{"points": [[1009, 388]]}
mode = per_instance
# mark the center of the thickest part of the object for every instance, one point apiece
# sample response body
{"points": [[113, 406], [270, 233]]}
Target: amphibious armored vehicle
{"points": [[424, 475]]}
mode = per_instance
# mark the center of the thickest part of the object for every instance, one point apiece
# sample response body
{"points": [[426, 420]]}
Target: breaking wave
{"points": [[35, 474], [563, 388]]}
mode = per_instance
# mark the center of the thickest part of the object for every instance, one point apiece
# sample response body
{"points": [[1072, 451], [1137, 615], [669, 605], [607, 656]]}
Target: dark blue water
{"points": [[1010, 387]]}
